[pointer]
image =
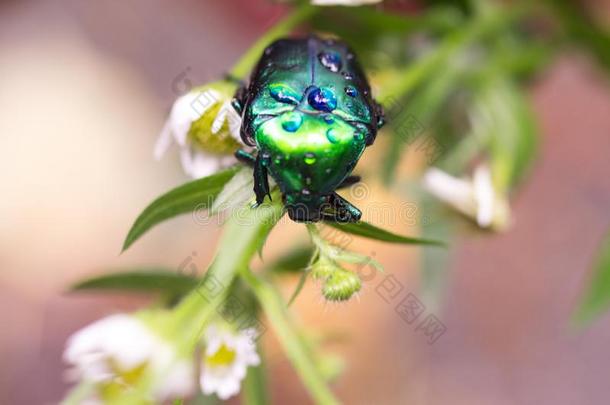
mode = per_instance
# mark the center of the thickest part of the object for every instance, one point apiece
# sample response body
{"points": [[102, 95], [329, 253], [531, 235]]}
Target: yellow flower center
{"points": [[123, 381], [224, 356], [201, 135]]}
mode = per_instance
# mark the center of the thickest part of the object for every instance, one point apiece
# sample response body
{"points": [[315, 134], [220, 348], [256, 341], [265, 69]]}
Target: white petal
{"points": [[228, 388], [121, 338], [234, 121], [219, 120], [164, 141], [190, 108], [177, 380], [225, 381], [484, 196], [204, 164], [451, 190]]}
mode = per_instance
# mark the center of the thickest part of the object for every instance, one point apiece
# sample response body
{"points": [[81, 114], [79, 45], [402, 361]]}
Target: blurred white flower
{"points": [[227, 357], [475, 198], [205, 127], [344, 2], [115, 351]]}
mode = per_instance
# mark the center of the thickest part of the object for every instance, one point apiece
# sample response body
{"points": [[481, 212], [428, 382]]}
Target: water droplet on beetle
{"points": [[351, 91], [358, 135], [347, 76], [308, 180], [329, 119], [310, 158], [327, 171], [291, 122], [332, 135], [330, 60], [305, 191], [322, 99]]}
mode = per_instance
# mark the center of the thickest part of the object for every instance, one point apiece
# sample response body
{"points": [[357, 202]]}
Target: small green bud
{"points": [[341, 285], [323, 268]]}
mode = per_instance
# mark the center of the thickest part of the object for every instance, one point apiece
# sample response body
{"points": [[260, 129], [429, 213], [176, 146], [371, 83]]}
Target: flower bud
{"points": [[323, 268], [341, 285]]}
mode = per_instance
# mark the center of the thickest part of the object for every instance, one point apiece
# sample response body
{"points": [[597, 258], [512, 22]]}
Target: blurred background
{"points": [[84, 90]]}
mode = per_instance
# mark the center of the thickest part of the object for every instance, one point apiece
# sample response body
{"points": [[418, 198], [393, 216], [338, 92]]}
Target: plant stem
{"points": [[296, 350]]}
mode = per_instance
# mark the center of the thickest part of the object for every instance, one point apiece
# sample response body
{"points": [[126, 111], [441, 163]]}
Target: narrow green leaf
{"points": [[596, 299], [296, 349], [195, 195], [367, 230], [299, 287], [146, 280]]}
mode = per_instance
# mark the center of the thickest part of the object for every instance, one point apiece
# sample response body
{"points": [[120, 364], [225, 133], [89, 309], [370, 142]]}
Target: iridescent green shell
{"points": [[309, 111]]}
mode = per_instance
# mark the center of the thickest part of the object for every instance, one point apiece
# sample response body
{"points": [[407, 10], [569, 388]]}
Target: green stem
{"points": [[255, 385], [296, 350], [240, 241], [456, 42], [243, 67]]}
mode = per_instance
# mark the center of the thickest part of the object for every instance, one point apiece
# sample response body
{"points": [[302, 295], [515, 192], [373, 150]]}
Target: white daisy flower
{"points": [[475, 198], [227, 357], [205, 127], [116, 350], [344, 2]]}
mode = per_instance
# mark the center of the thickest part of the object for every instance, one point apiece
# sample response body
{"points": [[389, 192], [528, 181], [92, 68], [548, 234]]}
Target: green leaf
{"points": [[596, 299], [367, 230], [146, 280], [299, 287], [502, 118], [296, 349], [195, 195]]}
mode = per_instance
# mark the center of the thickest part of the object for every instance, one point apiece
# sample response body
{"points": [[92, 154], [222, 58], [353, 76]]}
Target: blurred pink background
{"points": [[84, 90]]}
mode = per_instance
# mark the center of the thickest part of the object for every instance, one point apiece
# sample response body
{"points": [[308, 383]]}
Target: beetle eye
{"points": [[284, 94]]}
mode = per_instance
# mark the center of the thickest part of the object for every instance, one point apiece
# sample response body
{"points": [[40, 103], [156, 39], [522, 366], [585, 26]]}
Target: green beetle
{"points": [[308, 111]]}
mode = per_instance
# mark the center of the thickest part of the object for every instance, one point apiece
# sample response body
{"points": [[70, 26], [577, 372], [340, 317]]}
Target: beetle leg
{"points": [[349, 181], [261, 181], [344, 211], [245, 157]]}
